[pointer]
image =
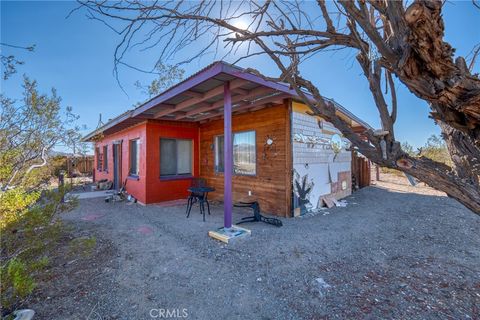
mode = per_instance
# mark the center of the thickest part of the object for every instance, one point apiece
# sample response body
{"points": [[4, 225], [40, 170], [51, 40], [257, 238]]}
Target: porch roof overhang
{"points": [[199, 98]]}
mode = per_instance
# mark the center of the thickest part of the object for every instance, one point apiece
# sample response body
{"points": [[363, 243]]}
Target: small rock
{"points": [[24, 314], [322, 286]]}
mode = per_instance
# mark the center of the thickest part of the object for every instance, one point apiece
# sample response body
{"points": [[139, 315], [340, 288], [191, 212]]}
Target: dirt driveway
{"points": [[389, 254]]}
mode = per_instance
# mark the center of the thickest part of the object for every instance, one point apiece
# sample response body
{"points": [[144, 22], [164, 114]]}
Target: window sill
{"points": [[169, 178], [133, 177]]}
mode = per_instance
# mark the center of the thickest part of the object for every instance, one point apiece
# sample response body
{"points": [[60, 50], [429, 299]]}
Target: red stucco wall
{"points": [[149, 187], [159, 189], [135, 187]]}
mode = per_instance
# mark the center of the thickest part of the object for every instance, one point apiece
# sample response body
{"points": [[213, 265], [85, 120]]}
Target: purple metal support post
{"points": [[228, 156]]}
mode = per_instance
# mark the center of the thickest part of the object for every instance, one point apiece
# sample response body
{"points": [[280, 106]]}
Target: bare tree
{"points": [[10, 62], [393, 43], [167, 76]]}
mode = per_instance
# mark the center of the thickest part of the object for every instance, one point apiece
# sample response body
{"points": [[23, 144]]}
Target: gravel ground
{"points": [[390, 254]]}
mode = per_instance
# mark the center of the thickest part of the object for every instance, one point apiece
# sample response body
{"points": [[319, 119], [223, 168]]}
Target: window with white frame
{"points": [[244, 153], [134, 150], [175, 157]]}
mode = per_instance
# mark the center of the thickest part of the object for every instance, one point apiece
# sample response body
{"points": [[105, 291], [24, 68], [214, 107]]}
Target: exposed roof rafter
{"points": [[207, 95], [219, 104]]}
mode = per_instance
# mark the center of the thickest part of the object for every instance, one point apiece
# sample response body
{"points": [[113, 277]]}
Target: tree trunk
{"points": [[436, 176], [427, 68]]}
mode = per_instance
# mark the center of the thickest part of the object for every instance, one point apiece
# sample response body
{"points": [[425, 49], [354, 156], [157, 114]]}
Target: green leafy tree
{"points": [[29, 130], [29, 226]]}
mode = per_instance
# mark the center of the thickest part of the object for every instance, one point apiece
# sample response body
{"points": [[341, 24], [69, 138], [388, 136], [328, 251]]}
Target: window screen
{"points": [[219, 156], [134, 157], [175, 157], [244, 153], [105, 158], [244, 157]]}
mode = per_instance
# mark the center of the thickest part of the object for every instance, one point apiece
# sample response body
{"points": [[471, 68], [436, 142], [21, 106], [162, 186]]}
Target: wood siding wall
{"points": [[361, 170], [83, 165], [272, 185]]}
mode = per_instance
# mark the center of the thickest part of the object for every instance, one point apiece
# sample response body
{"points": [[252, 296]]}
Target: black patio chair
{"points": [[198, 196], [257, 216]]}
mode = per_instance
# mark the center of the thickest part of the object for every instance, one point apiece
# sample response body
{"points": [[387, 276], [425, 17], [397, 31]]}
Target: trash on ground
{"points": [[323, 286], [23, 314], [341, 203]]}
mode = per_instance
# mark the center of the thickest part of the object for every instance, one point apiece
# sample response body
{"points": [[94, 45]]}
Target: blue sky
{"points": [[75, 56]]}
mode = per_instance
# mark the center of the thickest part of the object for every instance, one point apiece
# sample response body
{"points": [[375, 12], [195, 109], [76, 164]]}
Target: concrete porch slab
{"points": [[90, 194]]}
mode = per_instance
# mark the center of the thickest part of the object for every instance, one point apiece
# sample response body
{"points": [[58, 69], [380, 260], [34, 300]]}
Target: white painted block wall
{"points": [[317, 160]]}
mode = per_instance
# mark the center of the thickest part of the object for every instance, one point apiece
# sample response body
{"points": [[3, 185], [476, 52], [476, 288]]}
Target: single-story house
{"points": [[275, 153]]}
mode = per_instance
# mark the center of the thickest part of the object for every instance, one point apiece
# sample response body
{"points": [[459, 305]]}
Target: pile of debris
{"points": [[331, 202], [121, 195], [103, 184]]}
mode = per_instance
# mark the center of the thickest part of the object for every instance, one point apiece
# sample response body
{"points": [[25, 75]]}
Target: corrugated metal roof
{"points": [[204, 80]]}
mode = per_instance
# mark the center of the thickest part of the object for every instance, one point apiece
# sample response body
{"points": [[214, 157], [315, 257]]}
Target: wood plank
{"points": [[235, 99], [245, 106], [193, 94], [207, 95], [269, 186]]}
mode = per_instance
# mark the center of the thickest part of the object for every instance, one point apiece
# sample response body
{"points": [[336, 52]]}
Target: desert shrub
{"points": [[82, 246], [22, 284], [30, 230], [392, 171], [434, 149], [30, 227]]}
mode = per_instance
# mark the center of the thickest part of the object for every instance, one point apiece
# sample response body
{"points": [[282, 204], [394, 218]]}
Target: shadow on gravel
{"points": [[386, 255]]}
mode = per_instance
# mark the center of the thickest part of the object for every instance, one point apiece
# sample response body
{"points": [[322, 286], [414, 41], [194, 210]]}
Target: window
{"points": [[134, 157], [105, 158], [219, 156], [244, 155], [99, 159], [175, 157]]}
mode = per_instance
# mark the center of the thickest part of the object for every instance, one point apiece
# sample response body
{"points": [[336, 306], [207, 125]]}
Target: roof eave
{"points": [[203, 75], [106, 126], [286, 89]]}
